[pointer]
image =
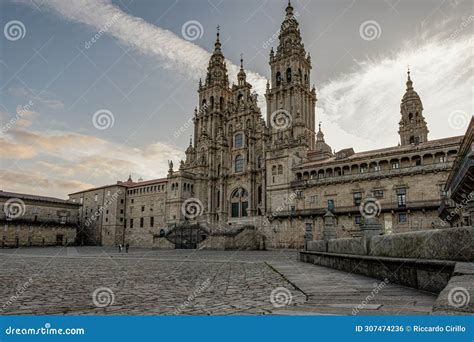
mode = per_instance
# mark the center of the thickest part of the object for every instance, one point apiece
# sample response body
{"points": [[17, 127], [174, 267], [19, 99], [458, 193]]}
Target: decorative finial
{"points": [[218, 31], [241, 61], [190, 140], [320, 122], [409, 81]]}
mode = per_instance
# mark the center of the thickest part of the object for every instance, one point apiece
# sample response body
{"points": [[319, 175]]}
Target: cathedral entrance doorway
{"points": [[187, 236]]}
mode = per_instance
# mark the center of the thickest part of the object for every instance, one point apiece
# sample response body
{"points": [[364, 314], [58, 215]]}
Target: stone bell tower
{"points": [[290, 92], [413, 127]]}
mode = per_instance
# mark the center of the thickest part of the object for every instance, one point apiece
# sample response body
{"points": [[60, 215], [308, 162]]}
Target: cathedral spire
{"points": [[409, 81], [217, 44], [289, 9], [413, 127], [217, 70], [242, 76], [323, 150]]}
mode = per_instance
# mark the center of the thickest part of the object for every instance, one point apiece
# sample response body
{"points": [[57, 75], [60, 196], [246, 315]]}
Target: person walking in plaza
{"points": [[120, 248], [127, 246]]}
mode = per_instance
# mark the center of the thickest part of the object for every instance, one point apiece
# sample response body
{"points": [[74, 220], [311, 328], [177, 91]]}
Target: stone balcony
{"points": [[343, 210], [370, 175]]}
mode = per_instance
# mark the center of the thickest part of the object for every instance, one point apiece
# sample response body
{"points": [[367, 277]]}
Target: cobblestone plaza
{"points": [[102, 281]]}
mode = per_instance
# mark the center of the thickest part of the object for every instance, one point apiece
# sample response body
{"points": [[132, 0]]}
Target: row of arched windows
{"points": [[277, 170], [289, 76], [186, 187], [377, 166]]}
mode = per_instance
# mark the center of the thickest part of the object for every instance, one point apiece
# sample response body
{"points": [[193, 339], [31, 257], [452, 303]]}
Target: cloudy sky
{"points": [[92, 90]]}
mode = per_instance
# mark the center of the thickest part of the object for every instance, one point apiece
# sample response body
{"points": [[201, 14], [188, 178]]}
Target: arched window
{"points": [[274, 170], [239, 163], [288, 75], [221, 103], [239, 202], [260, 162], [204, 104], [239, 140], [278, 78], [280, 169], [259, 195], [212, 102]]}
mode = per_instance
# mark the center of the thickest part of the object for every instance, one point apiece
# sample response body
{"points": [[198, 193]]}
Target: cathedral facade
{"points": [[275, 177]]}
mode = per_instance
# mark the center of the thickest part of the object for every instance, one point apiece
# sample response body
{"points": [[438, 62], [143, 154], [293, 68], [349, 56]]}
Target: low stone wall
{"points": [[424, 260], [247, 238], [357, 246], [427, 275], [441, 244], [458, 296]]}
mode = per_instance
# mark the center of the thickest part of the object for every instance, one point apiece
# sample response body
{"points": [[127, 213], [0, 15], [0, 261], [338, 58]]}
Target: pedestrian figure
{"points": [[120, 248], [127, 246]]}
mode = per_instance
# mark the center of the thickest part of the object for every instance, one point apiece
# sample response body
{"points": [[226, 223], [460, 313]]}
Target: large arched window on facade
{"points": [[239, 202], [239, 140], [239, 163]]}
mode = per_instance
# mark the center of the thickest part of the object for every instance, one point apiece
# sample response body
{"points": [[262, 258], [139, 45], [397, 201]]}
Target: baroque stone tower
{"points": [[290, 93], [413, 127]]}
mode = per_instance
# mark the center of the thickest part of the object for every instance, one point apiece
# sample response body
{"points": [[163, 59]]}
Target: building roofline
{"points": [[123, 184], [387, 150], [7, 194]]}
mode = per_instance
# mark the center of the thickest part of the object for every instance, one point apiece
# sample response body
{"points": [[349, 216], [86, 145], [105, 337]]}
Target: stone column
{"points": [[370, 227], [329, 226], [308, 236]]}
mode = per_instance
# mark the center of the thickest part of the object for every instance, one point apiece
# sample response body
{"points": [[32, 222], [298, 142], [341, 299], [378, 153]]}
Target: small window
{"points": [[378, 193], [402, 217], [274, 170], [357, 198], [239, 163], [132, 200], [239, 140], [330, 204], [141, 222], [131, 223], [143, 208], [152, 221], [442, 159], [402, 197], [395, 165], [357, 219], [377, 168], [280, 169]]}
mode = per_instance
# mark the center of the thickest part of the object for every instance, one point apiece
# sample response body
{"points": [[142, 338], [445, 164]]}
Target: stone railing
{"points": [[372, 174], [426, 260], [385, 206]]}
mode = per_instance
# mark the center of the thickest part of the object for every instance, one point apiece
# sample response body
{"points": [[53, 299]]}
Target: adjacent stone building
{"points": [[29, 220], [279, 176]]}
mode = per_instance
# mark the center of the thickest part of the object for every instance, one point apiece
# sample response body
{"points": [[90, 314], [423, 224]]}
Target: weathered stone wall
{"points": [[443, 244], [148, 208], [102, 215], [24, 235]]}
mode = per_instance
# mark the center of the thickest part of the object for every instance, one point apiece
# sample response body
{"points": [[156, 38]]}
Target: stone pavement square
{"points": [[101, 281]]}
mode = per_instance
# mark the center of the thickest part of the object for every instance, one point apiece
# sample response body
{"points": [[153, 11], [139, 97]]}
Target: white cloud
{"points": [[363, 107], [173, 51]]}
